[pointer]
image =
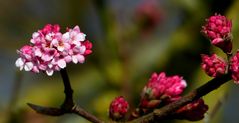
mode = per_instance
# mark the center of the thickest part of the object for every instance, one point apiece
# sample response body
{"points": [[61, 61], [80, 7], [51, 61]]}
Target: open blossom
{"points": [[161, 88], [50, 50], [193, 111], [218, 30], [118, 108], [234, 67], [213, 65]]}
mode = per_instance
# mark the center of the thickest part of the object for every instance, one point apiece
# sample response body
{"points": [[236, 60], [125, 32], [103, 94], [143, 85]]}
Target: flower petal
{"points": [[61, 63], [19, 62], [49, 72], [28, 66], [74, 59]]}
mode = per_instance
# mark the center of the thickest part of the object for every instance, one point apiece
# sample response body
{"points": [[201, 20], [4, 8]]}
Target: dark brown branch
{"points": [[194, 95], [68, 105], [51, 111], [80, 111]]}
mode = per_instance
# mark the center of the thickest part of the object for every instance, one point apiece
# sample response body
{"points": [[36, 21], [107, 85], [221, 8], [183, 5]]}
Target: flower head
{"points": [[148, 15], [118, 108], [50, 50], [218, 30], [193, 111], [234, 67], [161, 88], [213, 65]]}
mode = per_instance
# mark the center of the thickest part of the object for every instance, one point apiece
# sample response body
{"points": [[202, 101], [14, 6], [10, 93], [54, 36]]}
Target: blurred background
{"points": [[131, 40]]}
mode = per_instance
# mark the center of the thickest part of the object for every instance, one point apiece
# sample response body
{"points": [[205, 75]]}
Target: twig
{"points": [[80, 111], [194, 95], [68, 105]]}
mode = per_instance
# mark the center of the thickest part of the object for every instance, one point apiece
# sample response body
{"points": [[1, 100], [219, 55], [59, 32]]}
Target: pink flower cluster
{"points": [[218, 30], [213, 65], [118, 108], [234, 67], [50, 50], [193, 111], [161, 88]]}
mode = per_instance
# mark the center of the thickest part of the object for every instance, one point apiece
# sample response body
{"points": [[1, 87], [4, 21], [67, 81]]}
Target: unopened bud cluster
{"points": [[193, 111], [162, 90], [213, 65], [218, 30], [118, 108]]}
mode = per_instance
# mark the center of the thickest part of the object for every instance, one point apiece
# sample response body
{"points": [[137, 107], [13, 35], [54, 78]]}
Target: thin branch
{"points": [[51, 111], [80, 111], [193, 95], [68, 105]]}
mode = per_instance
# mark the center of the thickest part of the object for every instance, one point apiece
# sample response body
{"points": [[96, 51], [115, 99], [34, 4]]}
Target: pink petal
{"points": [[80, 58], [61, 63], [74, 59], [68, 59], [19, 62], [49, 72], [28, 66], [66, 37]]}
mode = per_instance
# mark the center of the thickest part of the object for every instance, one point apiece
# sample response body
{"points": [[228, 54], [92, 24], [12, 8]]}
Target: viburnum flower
{"points": [[193, 111], [118, 108], [213, 65], [148, 15], [50, 50], [234, 67], [161, 88], [218, 30]]}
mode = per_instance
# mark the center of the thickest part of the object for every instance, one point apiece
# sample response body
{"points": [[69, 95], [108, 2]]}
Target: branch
{"points": [[68, 105], [193, 95]]}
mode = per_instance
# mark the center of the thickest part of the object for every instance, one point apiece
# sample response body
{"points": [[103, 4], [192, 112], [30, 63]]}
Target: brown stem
{"points": [[68, 105], [80, 111], [193, 95], [68, 102]]}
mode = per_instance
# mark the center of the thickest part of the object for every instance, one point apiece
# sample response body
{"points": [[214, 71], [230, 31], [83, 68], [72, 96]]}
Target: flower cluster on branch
{"points": [[50, 50]]}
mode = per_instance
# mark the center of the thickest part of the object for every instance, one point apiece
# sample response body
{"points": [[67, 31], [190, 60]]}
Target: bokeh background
{"points": [[131, 40]]}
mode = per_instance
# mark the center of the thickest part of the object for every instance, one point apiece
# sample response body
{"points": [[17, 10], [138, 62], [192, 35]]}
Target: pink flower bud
{"points": [[118, 108], [218, 30], [193, 111], [161, 88], [50, 28], [213, 65], [234, 67]]}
